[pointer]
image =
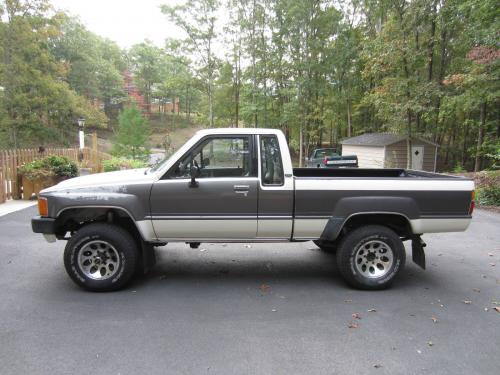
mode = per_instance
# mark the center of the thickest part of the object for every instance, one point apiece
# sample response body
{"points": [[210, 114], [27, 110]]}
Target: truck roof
{"points": [[238, 131]]}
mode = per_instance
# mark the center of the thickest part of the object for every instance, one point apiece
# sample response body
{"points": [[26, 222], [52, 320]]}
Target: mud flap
{"points": [[148, 257], [417, 250]]}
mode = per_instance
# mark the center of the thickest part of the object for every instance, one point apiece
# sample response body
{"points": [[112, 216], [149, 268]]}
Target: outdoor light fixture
{"points": [[81, 135], [81, 122]]}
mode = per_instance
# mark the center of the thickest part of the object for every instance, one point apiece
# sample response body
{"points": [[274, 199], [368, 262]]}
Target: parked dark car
{"points": [[330, 158]]}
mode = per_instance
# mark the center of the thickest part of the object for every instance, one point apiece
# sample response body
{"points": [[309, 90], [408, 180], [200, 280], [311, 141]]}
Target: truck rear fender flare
{"points": [[375, 210]]}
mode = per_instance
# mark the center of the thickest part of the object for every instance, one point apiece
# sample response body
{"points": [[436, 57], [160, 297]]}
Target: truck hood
{"points": [[126, 177]]}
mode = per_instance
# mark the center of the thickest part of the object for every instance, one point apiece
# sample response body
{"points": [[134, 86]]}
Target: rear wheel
{"points": [[371, 257], [101, 257]]}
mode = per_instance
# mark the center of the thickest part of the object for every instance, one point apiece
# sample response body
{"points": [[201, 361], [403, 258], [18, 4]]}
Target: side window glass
{"points": [[218, 157], [271, 165]]}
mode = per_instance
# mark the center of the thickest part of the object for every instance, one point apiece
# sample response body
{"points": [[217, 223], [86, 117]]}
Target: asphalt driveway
{"points": [[252, 309]]}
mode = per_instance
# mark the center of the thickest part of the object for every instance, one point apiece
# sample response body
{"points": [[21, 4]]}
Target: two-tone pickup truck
{"points": [[238, 185]]}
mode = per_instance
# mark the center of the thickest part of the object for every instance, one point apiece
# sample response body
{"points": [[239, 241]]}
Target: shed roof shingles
{"points": [[377, 139]]}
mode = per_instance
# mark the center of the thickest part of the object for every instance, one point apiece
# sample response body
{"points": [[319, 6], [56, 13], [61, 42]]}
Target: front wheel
{"points": [[371, 257], [101, 257]]}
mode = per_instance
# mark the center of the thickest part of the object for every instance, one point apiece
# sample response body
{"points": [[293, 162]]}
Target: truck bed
{"points": [[366, 172]]}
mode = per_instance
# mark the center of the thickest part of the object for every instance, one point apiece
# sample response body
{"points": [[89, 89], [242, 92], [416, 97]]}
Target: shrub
{"points": [[50, 166], [488, 196], [118, 164], [458, 168]]}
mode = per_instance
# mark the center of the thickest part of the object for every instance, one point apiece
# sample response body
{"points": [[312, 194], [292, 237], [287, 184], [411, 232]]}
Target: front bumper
{"points": [[45, 225]]}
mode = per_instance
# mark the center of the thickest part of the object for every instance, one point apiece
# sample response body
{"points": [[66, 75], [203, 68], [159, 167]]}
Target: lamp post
{"points": [[81, 136], [81, 124]]}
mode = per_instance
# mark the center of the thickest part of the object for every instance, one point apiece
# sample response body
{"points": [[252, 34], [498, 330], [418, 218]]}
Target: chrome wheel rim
{"points": [[374, 259], [98, 260]]}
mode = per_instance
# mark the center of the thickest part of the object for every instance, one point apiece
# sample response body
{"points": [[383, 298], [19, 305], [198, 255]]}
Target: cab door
{"points": [[222, 204]]}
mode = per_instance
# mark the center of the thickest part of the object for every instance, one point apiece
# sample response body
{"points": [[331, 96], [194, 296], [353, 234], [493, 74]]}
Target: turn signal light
{"points": [[43, 207], [472, 202]]}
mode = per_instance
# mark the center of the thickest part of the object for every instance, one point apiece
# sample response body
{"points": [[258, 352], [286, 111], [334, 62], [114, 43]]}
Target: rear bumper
{"points": [[44, 225]]}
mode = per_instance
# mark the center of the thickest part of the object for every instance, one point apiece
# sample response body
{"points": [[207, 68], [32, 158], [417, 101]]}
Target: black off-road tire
{"points": [[353, 253], [124, 250], [326, 246]]}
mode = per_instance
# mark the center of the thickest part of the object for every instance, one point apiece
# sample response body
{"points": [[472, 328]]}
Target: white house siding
{"points": [[368, 156], [396, 154]]}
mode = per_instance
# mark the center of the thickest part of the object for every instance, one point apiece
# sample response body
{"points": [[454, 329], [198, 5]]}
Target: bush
{"points": [[118, 164], [50, 166], [458, 168], [488, 196]]}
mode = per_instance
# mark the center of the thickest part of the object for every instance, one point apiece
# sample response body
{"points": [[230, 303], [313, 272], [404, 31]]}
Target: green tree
{"points": [[197, 18], [132, 135], [38, 106]]}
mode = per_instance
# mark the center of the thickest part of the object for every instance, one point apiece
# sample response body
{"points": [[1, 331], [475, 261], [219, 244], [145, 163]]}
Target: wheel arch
{"points": [[74, 217], [337, 227]]}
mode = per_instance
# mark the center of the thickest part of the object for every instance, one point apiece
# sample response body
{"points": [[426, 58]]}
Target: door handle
{"points": [[241, 189]]}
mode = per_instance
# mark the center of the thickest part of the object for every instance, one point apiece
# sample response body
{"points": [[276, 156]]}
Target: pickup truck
{"points": [[330, 158], [238, 185]]}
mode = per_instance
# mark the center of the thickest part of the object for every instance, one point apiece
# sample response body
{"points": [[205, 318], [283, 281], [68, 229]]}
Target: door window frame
{"points": [[251, 148], [261, 177]]}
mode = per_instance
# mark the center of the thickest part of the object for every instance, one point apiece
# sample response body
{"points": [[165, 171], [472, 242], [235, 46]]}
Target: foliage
{"points": [[489, 196], [120, 163], [320, 70], [50, 166], [458, 169], [37, 101], [132, 135]]}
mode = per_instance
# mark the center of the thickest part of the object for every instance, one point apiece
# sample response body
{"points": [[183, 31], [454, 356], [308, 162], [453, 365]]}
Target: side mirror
{"points": [[194, 172]]}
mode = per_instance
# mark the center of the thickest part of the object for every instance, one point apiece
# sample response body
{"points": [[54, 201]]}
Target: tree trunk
{"points": [[301, 145], [480, 136]]}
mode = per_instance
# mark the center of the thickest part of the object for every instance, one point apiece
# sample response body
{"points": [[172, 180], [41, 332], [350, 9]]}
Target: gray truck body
{"points": [[257, 205]]}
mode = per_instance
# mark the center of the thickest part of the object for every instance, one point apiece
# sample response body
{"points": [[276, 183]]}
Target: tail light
{"points": [[43, 207], [472, 202], [325, 161]]}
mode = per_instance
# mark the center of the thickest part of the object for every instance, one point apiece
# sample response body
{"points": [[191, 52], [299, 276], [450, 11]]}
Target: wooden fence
{"points": [[10, 160]]}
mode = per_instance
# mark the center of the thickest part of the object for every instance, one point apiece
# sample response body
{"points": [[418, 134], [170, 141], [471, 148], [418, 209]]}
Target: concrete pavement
{"points": [[252, 309]]}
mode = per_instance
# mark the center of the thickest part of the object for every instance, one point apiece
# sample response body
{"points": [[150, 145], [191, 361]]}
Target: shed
{"points": [[387, 150]]}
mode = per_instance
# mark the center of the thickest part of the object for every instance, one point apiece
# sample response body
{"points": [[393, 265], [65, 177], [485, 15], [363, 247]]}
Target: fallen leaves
{"points": [[377, 365], [490, 254], [476, 290], [352, 325], [264, 288], [371, 310], [430, 343], [348, 300], [434, 319], [356, 316], [467, 302], [492, 264], [497, 309]]}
